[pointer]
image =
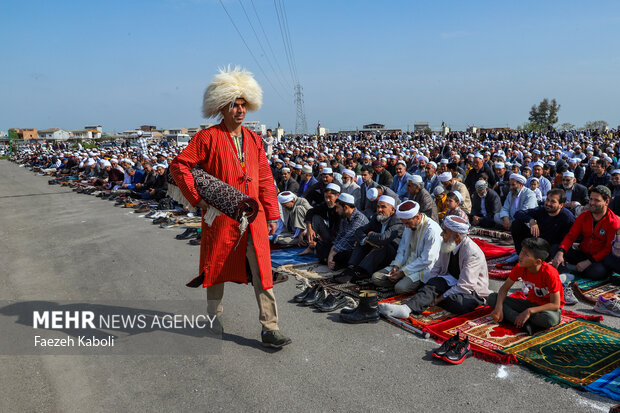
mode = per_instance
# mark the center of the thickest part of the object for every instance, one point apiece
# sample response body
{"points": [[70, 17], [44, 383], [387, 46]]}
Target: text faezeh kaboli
{"points": [[87, 320]]}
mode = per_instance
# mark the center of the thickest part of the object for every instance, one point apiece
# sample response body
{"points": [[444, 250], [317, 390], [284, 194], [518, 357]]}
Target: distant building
{"points": [[147, 128], [98, 128], [420, 126], [85, 134], [177, 131], [192, 131], [255, 126], [205, 125], [23, 134], [374, 126], [54, 134]]}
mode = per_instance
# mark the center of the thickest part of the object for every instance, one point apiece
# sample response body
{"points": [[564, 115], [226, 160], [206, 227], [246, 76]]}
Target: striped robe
{"points": [[213, 149]]}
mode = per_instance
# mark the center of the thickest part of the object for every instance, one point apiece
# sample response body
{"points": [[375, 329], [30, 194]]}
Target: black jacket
{"points": [[473, 176], [580, 194], [391, 236], [328, 214], [492, 204]]}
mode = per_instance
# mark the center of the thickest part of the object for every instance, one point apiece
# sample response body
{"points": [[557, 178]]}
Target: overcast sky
{"points": [[123, 64]]}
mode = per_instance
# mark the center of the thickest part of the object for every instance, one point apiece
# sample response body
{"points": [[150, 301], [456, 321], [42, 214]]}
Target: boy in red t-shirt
{"points": [[545, 297]]}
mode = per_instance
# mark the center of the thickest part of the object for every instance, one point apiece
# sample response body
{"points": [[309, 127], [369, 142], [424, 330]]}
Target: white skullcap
{"points": [[372, 194], [160, 165], [458, 195], [416, 179], [333, 187], [106, 163], [456, 224], [113, 160], [387, 199], [444, 161], [307, 169], [327, 171], [615, 172], [90, 162], [286, 169], [401, 162], [500, 165], [433, 163], [349, 172], [407, 210], [479, 156], [286, 196], [569, 174], [538, 164], [347, 198], [438, 190], [279, 160], [445, 177], [481, 184], [534, 179], [519, 178], [139, 133]]}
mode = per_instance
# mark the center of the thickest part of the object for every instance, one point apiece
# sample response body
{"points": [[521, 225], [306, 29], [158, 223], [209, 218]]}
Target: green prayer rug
{"points": [[575, 354]]}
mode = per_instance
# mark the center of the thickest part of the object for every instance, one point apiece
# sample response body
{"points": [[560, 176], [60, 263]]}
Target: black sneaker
{"points": [[446, 346], [274, 339], [459, 352]]}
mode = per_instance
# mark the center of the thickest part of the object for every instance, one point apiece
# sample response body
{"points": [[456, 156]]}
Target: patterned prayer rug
{"points": [[576, 354], [591, 296], [587, 284], [312, 271], [485, 335], [491, 233], [353, 290], [431, 316]]}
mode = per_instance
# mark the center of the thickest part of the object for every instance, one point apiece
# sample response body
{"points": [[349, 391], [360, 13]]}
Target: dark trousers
{"points": [[487, 222], [455, 303], [596, 270], [521, 231], [372, 259], [512, 307], [612, 263]]}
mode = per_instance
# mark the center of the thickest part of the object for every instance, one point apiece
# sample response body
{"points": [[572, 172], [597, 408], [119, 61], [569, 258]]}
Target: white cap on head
{"points": [[519, 178], [445, 177], [568, 174], [456, 224], [349, 172], [333, 187], [459, 196], [416, 179], [481, 184], [286, 196], [285, 169], [372, 194], [327, 171], [407, 210], [499, 165], [615, 172], [347, 198], [307, 169], [388, 200]]}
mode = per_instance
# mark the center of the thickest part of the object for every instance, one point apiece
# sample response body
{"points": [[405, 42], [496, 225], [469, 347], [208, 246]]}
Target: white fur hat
{"points": [[228, 85]]}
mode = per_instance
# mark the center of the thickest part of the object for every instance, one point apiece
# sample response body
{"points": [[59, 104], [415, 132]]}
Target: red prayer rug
{"points": [[485, 335], [492, 250]]}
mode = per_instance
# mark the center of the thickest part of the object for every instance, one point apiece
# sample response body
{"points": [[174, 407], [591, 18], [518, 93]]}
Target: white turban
{"points": [[106, 163], [387, 199], [456, 224], [445, 177], [286, 197], [372, 194], [349, 173], [481, 184], [519, 178], [407, 210]]}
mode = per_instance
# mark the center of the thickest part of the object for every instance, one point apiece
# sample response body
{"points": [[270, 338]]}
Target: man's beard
{"points": [[552, 210], [382, 218], [447, 247], [568, 187], [596, 209], [346, 184]]}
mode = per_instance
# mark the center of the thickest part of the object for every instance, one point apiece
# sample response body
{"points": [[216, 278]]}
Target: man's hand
{"points": [[506, 223], [522, 318], [396, 276], [497, 314], [475, 220], [437, 300], [272, 226], [330, 259], [581, 266], [311, 235], [535, 230], [558, 259], [202, 204]]}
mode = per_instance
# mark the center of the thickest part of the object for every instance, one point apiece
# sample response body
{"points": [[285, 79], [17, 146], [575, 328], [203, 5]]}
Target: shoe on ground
{"points": [[459, 352], [332, 303], [216, 329], [302, 295], [195, 241], [611, 306], [446, 346], [189, 233], [274, 339], [569, 296], [279, 278]]}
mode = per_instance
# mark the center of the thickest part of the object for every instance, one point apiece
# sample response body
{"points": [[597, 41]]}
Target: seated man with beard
{"points": [[342, 247], [576, 194], [519, 199], [417, 252], [377, 243], [350, 186], [459, 280], [322, 221], [417, 193], [485, 204], [294, 211]]}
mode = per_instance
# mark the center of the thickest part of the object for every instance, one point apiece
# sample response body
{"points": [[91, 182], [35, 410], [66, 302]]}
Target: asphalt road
{"points": [[56, 245]]}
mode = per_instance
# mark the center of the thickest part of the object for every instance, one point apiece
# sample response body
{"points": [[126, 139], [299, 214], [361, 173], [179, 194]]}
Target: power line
{"points": [[288, 35], [286, 52], [275, 58], [261, 45], [249, 50]]}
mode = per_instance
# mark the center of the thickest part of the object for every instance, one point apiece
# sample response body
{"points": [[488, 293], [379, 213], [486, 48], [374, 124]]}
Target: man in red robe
{"points": [[235, 155]]}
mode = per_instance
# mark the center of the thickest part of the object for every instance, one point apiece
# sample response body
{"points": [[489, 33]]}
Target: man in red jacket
{"points": [[597, 227], [235, 155]]}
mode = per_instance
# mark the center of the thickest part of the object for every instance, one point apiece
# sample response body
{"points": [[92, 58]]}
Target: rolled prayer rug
{"points": [[219, 195]]}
